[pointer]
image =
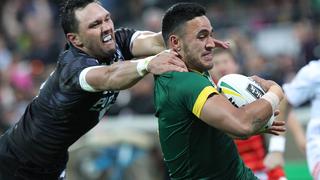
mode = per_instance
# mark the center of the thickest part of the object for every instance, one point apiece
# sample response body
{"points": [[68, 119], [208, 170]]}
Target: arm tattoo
{"points": [[257, 124]]}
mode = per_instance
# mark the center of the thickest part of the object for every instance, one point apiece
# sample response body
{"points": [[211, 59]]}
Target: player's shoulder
{"points": [[315, 63], [189, 74], [76, 57], [72, 63], [314, 67], [73, 55], [310, 72], [183, 77], [186, 82], [124, 30], [123, 33]]}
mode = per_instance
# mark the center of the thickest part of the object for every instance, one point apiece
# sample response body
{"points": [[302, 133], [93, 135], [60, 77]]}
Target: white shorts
{"points": [[313, 147]]}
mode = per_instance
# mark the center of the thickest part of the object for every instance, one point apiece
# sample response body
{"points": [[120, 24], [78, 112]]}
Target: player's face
{"points": [[223, 64], [197, 44], [96, 31]]}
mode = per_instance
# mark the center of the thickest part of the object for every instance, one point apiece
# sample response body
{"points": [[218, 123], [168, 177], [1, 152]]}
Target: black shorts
{"points": [[13, 168]]}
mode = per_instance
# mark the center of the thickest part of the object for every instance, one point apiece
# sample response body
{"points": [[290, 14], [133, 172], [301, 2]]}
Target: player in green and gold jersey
{"points": [[196, 123]]}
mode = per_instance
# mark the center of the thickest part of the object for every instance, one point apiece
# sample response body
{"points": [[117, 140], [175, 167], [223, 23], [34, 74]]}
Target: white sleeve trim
{"points": [[134, 36], [83, 82]]}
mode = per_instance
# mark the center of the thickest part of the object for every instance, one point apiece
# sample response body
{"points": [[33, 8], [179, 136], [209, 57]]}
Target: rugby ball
{"points": [[241, 90]]}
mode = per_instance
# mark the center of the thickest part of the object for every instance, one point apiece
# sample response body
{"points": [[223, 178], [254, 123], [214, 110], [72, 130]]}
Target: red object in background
{"points": [[253, 152]]}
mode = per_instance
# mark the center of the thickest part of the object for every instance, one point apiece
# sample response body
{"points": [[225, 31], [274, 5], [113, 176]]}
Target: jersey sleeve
{"points": [[194, 90], [302, 87], [71, 73], [124, 38]]}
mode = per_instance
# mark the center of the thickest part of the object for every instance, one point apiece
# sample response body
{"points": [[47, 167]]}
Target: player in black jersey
{"points": [[87, 79]]}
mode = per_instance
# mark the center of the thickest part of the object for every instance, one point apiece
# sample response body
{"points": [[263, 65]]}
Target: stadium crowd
{"points": [[275, 39]]}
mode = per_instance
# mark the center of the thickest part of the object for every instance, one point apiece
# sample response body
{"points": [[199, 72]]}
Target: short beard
{"points": [[195, 64]]}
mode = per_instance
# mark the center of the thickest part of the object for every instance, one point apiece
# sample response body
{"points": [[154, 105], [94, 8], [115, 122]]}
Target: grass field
{"points": [[297, 170]]}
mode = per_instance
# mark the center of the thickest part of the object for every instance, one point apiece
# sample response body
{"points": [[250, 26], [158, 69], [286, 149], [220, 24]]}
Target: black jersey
{"points": [[63, 111]]}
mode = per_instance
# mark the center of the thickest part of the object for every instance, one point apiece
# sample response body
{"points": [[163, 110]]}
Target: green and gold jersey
{"points": [[191, 148]]}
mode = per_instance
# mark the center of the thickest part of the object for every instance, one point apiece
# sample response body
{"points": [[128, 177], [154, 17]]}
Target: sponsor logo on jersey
{"points": [[104, 103]]}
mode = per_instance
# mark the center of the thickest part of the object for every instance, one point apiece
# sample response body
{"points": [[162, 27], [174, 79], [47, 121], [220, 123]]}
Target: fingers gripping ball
{"points": [[241, 90]]}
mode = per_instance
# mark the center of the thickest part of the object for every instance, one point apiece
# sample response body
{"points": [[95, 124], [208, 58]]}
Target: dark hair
{"points": [[69, 22], [177, 15]]}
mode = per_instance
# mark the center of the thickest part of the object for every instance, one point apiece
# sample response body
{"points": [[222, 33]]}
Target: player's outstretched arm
{"points": [[124, 74], [149, 43], [297, 131]]}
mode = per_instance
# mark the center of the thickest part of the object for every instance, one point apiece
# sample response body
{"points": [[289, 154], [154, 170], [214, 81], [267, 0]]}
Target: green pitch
{"points": [[297, 170]]}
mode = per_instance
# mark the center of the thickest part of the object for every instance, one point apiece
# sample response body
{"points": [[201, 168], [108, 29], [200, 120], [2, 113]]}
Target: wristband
{"points": [[142, 65], [277, 143], [272, 98]]}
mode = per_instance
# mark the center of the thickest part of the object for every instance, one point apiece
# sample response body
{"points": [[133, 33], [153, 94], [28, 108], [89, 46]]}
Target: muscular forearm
{"points": [[124, 74], [256, 115], [237, 122], [148, 43], [118, 76]]}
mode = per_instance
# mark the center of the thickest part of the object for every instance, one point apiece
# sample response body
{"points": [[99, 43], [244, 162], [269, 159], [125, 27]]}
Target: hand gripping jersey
{"points": [[191, 148], [63, 111]]}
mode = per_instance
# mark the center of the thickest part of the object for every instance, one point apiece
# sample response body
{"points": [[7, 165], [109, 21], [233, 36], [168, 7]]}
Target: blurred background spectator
{"points": [[275, 37]]}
